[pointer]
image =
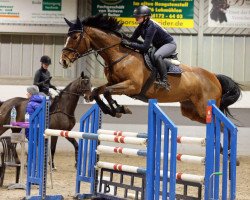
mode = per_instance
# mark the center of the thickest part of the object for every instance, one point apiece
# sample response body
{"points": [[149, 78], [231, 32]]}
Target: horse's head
{"points": [[93, 33], [83, 87], [79, 87], [77, 43]]}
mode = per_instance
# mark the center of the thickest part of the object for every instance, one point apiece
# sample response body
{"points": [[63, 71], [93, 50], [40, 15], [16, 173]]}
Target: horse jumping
{"points": [[127, 73]]}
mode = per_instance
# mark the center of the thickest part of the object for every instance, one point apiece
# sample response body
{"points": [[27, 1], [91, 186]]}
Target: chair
{"points": [[10, 157], [2, 168]]}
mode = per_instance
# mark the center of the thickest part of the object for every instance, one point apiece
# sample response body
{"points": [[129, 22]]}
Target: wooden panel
{"points": [[27, 56], [5, 55], [16, 55], [207, 53], [216, 55], [228, 56], [246, 60], [238, 65], [38, 47], [58, 46]]}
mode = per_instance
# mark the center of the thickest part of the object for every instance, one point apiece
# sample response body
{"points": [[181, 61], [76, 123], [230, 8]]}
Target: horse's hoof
{"points": [[54, 169], [118, 115], [237, 162], [127, 110]]}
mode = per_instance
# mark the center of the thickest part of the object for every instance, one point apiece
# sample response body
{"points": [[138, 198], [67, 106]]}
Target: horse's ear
{"points": [[70, 24], [78, 22], [82, 74]]}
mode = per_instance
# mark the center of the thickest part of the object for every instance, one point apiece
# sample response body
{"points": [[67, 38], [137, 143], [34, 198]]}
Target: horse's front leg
{"points": [[53, 150], [127, 87], [96, 96], [118, 109], [75, 144]]}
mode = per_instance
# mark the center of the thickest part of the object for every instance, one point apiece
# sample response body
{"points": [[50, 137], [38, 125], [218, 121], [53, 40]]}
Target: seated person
{"points": [[35, 100]]}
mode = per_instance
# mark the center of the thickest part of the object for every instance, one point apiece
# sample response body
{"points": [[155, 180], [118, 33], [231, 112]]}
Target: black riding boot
{"points": [[162, 69]]}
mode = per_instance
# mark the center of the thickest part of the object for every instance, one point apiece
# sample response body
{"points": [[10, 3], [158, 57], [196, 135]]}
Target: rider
{"points": [[153, 33], [42, 77]]}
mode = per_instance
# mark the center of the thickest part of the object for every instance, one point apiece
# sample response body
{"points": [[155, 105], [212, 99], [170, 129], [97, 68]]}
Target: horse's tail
{"points": [[231, 92]]}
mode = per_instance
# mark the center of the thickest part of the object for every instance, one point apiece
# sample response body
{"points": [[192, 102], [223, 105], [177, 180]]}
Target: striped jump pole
{"points": [[180, 139], [122, 133], [92, 136], [140, 152], [141, 170]]}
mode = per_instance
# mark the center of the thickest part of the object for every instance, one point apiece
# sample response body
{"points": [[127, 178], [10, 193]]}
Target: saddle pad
{"points": [[173, 69]]}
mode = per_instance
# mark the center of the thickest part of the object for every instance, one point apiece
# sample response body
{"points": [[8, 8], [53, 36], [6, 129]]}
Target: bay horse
{"points": [[62, 110], [127, 73]]}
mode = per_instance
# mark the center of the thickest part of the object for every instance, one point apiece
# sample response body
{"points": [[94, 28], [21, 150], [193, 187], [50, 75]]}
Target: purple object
{"points": [[21, 124]]}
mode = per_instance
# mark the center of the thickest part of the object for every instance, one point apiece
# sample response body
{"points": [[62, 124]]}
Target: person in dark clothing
{"points": [[154, 34], [42, 77]]}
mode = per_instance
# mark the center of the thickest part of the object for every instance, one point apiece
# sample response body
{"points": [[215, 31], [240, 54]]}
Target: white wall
{"points": [[10, 91]]}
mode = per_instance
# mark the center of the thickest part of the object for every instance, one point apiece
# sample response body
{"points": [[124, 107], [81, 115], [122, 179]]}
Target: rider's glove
{"points": [[53, 87], [125, 42]]}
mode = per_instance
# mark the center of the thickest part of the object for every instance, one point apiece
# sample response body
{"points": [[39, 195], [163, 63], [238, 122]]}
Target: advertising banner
{"points": [[171, 13], [37, 12]]}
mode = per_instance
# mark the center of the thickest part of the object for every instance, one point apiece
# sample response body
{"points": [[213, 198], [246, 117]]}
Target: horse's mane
{"points": [[104, 22], [56, 99]]}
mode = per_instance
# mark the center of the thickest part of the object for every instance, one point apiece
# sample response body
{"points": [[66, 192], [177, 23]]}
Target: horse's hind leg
{"points": [[188, 110], [75, 144]]}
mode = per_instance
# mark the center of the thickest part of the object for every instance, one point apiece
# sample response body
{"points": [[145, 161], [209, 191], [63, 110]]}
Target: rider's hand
{"points": [[54, 87], [125, 42]]}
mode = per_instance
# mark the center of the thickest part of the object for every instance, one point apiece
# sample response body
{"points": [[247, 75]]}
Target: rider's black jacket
{"points": [[42, 80], [152, 33]]}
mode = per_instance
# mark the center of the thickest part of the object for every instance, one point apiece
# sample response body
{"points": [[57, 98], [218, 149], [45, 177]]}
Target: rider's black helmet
{"points": [[45, 60], [142, 11]]}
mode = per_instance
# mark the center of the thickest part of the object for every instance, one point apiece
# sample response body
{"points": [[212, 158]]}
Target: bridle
{"points": [[74, 50], [77, 55], [80, 91]]}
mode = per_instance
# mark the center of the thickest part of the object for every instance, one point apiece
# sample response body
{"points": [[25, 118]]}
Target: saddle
{"points": [[150, 62], [174, 68]]}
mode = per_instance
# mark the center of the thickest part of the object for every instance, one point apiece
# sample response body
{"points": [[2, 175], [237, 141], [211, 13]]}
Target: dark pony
{"points": [[62, 110]]}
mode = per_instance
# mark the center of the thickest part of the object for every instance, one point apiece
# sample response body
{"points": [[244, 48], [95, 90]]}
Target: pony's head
{"points": [[83, 86], [77, 43], [79, 87]]}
